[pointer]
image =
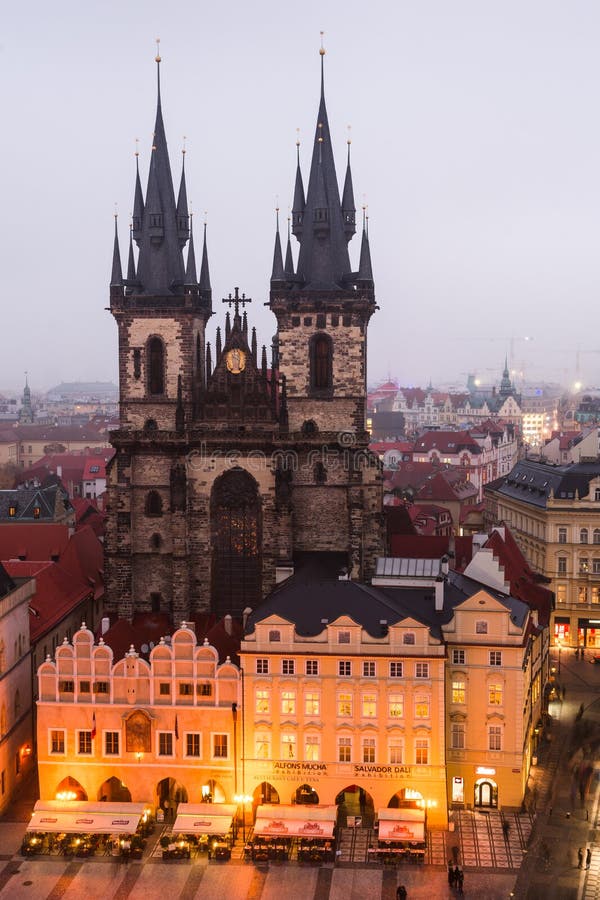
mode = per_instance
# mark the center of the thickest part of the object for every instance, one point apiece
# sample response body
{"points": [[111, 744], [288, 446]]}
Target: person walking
{"points": [[460, 877], [401, 892], [506, 829], [588, 858], [580, 857], [450, 873]]}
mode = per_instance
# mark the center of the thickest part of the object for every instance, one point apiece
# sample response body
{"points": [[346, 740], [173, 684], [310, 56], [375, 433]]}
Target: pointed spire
{"points": [[218, 344], [138, 200], [289, 259], [208, 363], [323, 260], [254, 347], [348, 207], [277, 273], [263, 362], [299, 201], [116, 278], [365, 270], [245, 324], [183, 226], [160, 264], [205, 287], [131, 258], [190, 269], [227, 326]]}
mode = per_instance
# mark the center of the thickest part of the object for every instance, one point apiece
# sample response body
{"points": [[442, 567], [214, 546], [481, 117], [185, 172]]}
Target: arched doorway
{"points": [[354, 802], [114, 791], [406, 798], [486, 793], [70, 789], [305, 794], [169, 794], [212, 792], [236, 542], [264, 793]]}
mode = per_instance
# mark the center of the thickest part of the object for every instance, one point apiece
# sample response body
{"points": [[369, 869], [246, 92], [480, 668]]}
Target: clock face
{"points": [[236, 361]]}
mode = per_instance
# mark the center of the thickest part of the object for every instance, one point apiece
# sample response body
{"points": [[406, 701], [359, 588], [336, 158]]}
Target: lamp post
{"points": [[242, 800], [559, 642]]}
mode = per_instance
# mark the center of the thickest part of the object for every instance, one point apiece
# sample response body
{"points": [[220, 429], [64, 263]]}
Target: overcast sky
{"points": [[475, 140]]}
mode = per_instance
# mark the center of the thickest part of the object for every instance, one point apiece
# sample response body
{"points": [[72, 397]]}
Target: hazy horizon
{"points": [[473, 141]]}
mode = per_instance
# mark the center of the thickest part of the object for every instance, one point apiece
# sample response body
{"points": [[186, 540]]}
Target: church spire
{"points": [[116, 278], [289, 259], [365, 270], [138, 201], [183, 225], [299, 201], [348, 207], [160, 264], [191, 279], [323, 261], [277, 273], [205, 288], [131, 277]]}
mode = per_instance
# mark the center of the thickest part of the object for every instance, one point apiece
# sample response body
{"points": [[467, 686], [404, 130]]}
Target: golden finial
{"points": [[320, 138], [116, 213], [183, 148], [297, 137], [137, 147], [322, 50], [157, 57], [205, 216], [349, 138]]}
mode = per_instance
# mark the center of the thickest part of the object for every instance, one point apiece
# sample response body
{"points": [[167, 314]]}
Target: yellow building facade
{"points": [[159, 730]]}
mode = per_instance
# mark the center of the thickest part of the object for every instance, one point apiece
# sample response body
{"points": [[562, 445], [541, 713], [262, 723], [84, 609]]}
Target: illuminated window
{"points": [[368, 669], [495, 737], [263, 746], [422, 670], [422, 752], [595, 595], [458, 691], [288, 703], [584, 565], [312, 704], [344, 668], [344, 749], [457, 736], [495, 694], [312, 747], [422, 706], [263, 702], [396, 706], [288, 667], [561, 593], [262, 666], [344, 705], [192, 744], [458, 657], [57, 740], [582, 594], [288, 746], [395, 670], [84, 742], [165, 743], [495, 657], [12, 511], [369, 706], [220, 746], [368, 750], [396, 751], [312, 667], [111, 743]]}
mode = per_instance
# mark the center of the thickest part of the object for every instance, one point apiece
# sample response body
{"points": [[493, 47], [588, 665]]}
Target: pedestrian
{"points": [[401, 892], [457, 872], [450, 873], [580, 857], [459, 880], [506, 829], [588, 858], [564, 692]]}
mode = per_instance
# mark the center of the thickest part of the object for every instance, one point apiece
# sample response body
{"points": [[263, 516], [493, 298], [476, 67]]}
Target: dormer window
{"points": [[12, 511], [408, 637], [274, 636], [343, 637], [36, 512]]}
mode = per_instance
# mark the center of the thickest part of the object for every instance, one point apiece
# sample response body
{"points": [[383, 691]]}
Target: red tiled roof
{"points": [[419, 546], [384, 446], [440, 488], [34, 541], [520, 575], [56, 593], [148, 628], [83, 557], [451, 442]]}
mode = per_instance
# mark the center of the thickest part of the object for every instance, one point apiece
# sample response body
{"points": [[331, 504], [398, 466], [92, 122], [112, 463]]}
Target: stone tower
{"points": [[227, 470]]}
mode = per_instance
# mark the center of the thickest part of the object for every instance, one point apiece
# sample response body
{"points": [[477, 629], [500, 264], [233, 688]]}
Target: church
{"points": [[231, 472]]}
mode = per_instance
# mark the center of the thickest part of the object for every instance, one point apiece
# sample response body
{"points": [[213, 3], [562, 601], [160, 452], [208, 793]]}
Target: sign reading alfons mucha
{"points": [[235, 361], [292, 770], [137, 733]]}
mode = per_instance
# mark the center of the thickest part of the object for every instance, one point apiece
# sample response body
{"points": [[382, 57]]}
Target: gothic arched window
{"points": [[156, 366], [153, 504], [236, 543], [321, 364]]}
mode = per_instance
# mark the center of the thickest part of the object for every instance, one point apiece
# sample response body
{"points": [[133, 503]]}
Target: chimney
{"points": [[105, 625], [247, 612], [445, 565], [440, 582], [227, 624]]}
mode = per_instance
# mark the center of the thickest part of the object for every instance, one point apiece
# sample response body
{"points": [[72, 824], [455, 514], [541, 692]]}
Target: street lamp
{"points": [[242, 800], [559, 642]]}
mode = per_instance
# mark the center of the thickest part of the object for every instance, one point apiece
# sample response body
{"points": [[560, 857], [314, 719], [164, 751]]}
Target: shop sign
{"points": [[373, 771]]}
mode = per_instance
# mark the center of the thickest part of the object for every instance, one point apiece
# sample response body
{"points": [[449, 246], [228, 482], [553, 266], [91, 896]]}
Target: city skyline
{"points": [[471, 144]]}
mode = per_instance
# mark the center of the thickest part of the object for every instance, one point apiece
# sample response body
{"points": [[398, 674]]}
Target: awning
{"points": [[401, 824], [277, 820], [85, 817], [204, 818]]}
